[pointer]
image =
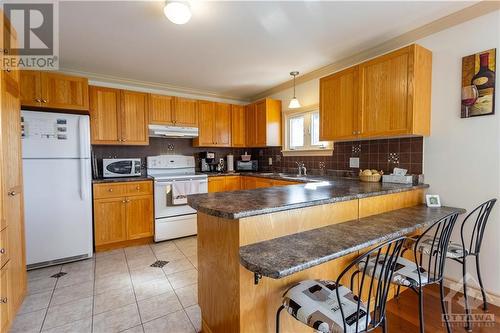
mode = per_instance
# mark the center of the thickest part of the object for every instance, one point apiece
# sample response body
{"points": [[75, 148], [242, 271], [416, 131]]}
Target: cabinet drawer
{"points": [[139, 188], [4, 253], [109, 190]]}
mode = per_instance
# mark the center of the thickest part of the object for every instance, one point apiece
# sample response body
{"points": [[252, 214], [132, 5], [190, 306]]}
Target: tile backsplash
{"points": [[384, 154]]}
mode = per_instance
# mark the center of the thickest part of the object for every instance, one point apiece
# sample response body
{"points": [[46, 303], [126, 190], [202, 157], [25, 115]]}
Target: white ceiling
{"points": [[231, 48]]}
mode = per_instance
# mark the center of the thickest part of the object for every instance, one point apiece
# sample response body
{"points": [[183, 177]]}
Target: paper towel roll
{"points": [[230, 163]]}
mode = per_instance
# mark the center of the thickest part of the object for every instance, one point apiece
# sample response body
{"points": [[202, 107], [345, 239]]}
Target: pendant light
{"points": [[178, 12], [294, 102]]}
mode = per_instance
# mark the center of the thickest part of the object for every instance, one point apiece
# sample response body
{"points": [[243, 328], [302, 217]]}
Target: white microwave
{"points": [[121, 167]]}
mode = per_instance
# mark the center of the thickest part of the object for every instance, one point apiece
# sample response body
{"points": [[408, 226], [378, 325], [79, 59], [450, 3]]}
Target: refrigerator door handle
{"points": [[84, 133], [84, 195]]}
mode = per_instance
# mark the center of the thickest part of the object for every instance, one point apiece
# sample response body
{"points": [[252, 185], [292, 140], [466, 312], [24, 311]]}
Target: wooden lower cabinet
{"points": [[236, 183], [5, 306], [123, 212], [139, 214]]}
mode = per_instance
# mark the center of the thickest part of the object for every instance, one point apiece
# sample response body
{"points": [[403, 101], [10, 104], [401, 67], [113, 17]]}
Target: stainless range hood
{"points": [[165, 131]]}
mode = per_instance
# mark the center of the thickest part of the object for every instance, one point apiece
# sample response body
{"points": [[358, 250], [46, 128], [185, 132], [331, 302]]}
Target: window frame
{"points": [[307, 149]]}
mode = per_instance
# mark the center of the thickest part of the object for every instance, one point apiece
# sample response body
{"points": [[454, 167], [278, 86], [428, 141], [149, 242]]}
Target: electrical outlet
{"points": [[270, 161], [354, 162]]}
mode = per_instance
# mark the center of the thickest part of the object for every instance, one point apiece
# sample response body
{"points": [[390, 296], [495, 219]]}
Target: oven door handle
{"points": [[166, 182]]}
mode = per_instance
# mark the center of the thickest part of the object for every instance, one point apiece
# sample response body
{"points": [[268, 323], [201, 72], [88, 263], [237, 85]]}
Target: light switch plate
{"points": [[354, 162]]}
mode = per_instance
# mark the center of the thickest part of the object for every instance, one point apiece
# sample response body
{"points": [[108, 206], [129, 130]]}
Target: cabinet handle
{"points": [[124, 201], [127, 200], [38, 100], [5, 51], [3, 300], [44, 101], [8, 70], [137, 188], [2, 251], [110, 190], [12, 193]]}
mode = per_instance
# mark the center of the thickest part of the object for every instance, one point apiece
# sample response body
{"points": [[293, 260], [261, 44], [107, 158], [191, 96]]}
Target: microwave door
{"points": [[120, 167]]}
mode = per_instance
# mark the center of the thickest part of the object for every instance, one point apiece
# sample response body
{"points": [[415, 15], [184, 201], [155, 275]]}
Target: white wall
{"points": [[462, 156]]}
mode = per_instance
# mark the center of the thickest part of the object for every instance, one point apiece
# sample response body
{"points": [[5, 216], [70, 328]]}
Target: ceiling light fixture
{"points": [[294, 102], [178, 12]]}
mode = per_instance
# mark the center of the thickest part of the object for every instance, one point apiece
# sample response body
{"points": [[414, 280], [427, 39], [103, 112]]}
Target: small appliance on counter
{"points": [[252, 165], [121, 167], [208, 162], [230, 163]]}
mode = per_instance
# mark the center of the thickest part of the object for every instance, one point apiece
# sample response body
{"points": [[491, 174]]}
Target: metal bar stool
{"points": [[417, 274], [329, 306]]}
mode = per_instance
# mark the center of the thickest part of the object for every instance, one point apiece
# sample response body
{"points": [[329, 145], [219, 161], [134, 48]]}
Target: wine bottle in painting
{"points": [[484, 80]]}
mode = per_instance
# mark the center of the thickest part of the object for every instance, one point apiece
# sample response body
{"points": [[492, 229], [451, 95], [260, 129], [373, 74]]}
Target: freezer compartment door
{"points": [[58, 209], [175, 227], [55, 135]]}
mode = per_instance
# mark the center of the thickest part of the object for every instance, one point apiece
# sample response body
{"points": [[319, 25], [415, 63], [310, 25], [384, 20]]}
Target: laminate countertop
{"points": [[315, 191], [283, 256], [121, 179]]}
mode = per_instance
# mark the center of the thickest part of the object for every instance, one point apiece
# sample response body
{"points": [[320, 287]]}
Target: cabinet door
{"points": [[338, 110], [105, 125], [186, 112], [261, 123], [222, 125], [134, 118], [384, 95], [110, 224], [139, 214], [251, 125], [238, 126], [263, 182], [64, 92], [248, 183], [216, 184], [232, 183], [206, 112], [5, 298], [12, 185], [161, 109], [31, 88]]}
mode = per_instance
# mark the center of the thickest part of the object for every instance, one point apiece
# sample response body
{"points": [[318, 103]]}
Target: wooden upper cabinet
{"points": [[54, 91], [186, 112], [339, 105], [64, 92], [264, 123], [105, 123], [134, 118], [238, 126], [222, 124], [214, 124], [31, 88], [251, 125], [206, 111], [161, 109], [385, 97]]}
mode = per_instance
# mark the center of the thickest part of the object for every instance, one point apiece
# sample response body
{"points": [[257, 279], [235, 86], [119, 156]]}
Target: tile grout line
{"points": [[133, 290], [50, 301], [93, 298]]}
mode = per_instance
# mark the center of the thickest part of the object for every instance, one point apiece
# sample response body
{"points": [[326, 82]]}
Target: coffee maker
{"points": [[208, 163]]}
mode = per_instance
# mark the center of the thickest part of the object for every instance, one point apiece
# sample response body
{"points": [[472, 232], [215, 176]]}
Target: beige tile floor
{"points": [[116, 291]]}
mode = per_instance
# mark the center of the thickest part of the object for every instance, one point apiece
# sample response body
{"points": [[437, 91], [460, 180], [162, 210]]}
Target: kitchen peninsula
{"points": [[232, 226]]}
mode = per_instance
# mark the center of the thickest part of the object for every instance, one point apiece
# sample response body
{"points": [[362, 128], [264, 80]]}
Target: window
{"points": [[302, 132]]}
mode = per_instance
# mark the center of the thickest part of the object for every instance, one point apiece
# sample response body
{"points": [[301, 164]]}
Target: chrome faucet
{"points": [[301, 168]]}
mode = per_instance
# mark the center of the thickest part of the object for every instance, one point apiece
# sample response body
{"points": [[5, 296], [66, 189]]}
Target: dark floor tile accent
{"points": [[159, 263], [58, 275]]}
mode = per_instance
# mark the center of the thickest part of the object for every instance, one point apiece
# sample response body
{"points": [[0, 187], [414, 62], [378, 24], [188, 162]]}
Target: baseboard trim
{"points": [[472, 291]]}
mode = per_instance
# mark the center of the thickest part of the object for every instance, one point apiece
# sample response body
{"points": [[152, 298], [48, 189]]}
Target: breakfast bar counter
{"points": [[230, 222]]}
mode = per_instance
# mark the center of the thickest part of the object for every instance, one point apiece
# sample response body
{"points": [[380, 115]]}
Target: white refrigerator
{"points": [[57, 187]]}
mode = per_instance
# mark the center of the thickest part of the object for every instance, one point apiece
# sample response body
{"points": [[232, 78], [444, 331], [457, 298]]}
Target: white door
{"points": [[55, 135], [58, 209]]}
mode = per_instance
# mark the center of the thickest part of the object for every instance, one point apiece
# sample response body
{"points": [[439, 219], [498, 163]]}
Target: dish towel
{"points": [[180, 191], [195, 187]]}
